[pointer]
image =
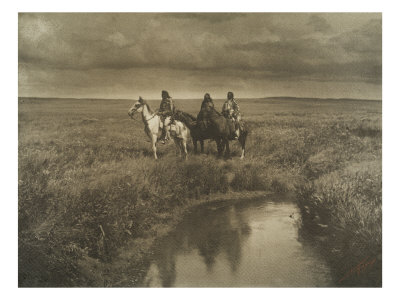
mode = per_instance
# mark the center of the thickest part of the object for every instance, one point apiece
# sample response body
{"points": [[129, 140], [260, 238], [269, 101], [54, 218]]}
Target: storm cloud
{"points": [[124, 55]]}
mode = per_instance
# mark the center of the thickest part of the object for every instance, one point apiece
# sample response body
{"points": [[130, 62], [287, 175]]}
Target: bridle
{"points": [[145, 120]]}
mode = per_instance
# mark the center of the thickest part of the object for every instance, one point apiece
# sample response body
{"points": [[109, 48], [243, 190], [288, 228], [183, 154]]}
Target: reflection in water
{"points": [[165, 261], [221, 233], [247, 244]]}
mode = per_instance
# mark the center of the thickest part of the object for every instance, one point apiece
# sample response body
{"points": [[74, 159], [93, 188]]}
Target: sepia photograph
{"points": [[200, 149]]}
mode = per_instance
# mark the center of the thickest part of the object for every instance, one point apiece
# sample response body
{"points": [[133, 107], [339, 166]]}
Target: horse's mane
{"points": [[214, 111], [184, 117], [187, 115], [148, 106]]}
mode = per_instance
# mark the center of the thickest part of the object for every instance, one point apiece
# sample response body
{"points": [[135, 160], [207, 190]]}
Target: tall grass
{"points": [[88, 184], [346, 206]]}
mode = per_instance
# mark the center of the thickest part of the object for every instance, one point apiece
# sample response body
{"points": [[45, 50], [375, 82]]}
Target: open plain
{"points": [[88, 186]]}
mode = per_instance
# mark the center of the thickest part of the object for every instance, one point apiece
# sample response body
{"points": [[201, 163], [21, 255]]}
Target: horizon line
{"points": [[245, 98]]}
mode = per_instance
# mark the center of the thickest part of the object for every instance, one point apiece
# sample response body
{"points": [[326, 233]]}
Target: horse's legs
{"points": [[153, 144], [227, 150], [184, 150], [167, 134], [202, 146], [242, 141], [153, 140], [178, 147], [194, 145], [220, 146]]}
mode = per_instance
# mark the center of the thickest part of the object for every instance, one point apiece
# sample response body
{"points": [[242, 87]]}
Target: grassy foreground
{"points": [[88, 185]]}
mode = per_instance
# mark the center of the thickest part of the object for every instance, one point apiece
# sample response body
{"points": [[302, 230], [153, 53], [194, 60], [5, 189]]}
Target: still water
{"points": [[252, 244]]}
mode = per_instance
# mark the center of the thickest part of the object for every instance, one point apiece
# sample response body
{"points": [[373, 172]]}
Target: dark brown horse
{"points": [[210, 124], [223, 130]]}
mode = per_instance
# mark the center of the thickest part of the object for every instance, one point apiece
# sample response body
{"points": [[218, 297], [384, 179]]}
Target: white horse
{"points": [[153, 124], [180, 133]]}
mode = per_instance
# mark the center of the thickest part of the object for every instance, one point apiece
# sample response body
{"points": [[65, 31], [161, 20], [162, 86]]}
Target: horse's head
{"points": [[137, 107]]}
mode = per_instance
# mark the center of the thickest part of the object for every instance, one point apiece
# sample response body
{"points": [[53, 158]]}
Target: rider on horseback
{"points": [[206, 107], [230, 110], [167, 109], [207, 102]]}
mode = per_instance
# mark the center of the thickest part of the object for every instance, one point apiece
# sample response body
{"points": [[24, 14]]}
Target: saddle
{"points": [[164, 114]]}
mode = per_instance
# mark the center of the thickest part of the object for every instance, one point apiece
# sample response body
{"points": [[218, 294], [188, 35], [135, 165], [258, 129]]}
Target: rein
{"points": [[150, 117], [146, 121]]}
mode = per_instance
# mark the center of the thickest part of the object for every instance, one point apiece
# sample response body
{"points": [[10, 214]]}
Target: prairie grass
{"points": [[87, 182], [346, 207]]}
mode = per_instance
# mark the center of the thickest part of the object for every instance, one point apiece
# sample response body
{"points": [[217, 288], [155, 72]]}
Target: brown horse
{"points": [[223, 130], [210, 124]]}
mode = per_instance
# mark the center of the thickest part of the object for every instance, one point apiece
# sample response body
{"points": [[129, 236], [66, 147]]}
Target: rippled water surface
{"points": [[252, 244]]}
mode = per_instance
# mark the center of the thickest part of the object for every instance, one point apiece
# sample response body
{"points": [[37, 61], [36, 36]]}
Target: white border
{"points": [[9, 30]]}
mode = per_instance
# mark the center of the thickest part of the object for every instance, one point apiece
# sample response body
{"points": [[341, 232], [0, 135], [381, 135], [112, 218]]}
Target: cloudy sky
{"points": [[254, 55]]}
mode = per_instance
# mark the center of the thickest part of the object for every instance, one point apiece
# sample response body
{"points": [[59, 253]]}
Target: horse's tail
{"points": [[244, 127]]}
